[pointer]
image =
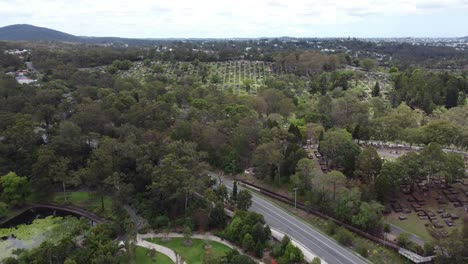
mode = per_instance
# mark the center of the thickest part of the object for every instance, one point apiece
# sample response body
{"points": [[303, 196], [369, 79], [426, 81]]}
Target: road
{"points": [[276, 217]]}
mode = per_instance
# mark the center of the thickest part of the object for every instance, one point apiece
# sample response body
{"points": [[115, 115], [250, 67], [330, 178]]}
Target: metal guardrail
{"points": [[404, 252]]}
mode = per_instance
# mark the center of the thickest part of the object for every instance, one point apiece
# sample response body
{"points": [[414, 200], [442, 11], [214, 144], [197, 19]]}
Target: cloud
{"points": [[220, 18]]}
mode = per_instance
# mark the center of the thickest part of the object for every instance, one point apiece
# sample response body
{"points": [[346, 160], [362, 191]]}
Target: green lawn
{"points": [[413, 225], [193, 254], [143, 258], [87, 200]]}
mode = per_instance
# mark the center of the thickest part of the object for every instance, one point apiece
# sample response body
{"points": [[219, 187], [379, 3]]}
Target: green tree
{"points": [[234, 191], [268, 157], [218, 217], [369, 216], [292, 254], [376, 90], [368, 64], [338, 146], [368, 165], [248, 243], [305, 170], [403, 239], [335, 179], [244, 200], [440, 131], [13, 188], [187, 233], [222, 193], [454, 167]]}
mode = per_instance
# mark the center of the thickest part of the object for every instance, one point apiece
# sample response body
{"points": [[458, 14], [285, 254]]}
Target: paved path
{"points": [[322, 246], [170, 253], [163, 250], [395, 230]]}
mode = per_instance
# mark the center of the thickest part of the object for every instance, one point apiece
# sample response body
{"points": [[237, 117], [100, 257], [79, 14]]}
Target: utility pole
{"points": [[295, 198]]}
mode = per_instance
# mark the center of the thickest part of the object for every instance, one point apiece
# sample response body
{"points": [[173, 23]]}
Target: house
{"points": [[21, 79]]}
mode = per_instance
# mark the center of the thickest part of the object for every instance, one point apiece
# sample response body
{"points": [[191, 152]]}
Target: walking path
{"points": [[395, 230], [161, 249], [173, 255]]}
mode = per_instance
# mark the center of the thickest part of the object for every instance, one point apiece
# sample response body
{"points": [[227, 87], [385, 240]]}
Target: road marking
{"points": [[308, 239], [311, 230]]}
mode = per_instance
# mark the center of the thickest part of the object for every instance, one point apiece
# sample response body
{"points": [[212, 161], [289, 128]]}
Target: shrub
{"points": [[259, 249], [3, 209], [362, 250], [387, 228], [248, 243], [428, 249], [344, 237], [331, 228], [160, 221], [403, 239], [316, 261]]}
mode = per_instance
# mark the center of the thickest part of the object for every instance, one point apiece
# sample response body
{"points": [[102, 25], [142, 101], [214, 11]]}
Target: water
{"points": [[33, 227]]}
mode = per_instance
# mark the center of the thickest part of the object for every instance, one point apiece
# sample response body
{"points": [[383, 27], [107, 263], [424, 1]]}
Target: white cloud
{"points": [[177, 18]]}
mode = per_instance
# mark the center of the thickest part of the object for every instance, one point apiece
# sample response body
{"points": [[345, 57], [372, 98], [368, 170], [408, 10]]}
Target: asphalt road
{"points": [[320, 245]]}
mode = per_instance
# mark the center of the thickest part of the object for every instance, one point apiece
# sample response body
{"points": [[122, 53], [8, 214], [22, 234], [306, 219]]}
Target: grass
{"points": [[142, 257], [415, 226], [412, 225], [86, 200], [193, 254]]}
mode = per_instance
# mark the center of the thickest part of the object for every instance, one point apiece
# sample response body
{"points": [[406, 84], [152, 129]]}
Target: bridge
{"points": [[70, 209]]}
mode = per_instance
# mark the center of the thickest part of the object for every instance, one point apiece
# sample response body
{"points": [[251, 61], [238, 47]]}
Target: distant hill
{"points": [[33, 33], [25, 32]]}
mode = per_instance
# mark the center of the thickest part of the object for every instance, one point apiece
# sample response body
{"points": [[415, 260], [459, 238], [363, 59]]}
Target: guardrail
{"points": [[408, 254]]}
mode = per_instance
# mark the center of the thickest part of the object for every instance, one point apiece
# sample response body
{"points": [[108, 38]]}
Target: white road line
{"points": [[308, 239], [332, 247]]}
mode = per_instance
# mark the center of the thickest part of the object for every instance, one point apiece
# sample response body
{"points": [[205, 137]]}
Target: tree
{"points": [[268, 157], [368, 64], [338, 146], [101, 168], [244, 200], [3, 209], [454, 167], [335, 178], [376, 90], [368, 165], [234, 191], [347, 204], [259, 249], [187, 233], [403, 239], [441, 131], [248, 243], [369, 216], [13, 189], [344, 237], [434, 160], [218, 217], [222, 193], [292, 254], [305, 169]]}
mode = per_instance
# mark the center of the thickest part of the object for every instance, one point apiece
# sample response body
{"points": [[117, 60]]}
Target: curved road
{"points": [[276, 217]]}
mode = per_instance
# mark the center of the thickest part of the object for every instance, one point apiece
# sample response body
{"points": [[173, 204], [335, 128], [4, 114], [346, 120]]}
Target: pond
{"points": [[31, 228]]}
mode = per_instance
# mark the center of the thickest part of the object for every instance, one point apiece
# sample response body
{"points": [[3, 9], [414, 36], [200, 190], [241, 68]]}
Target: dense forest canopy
{"points": [[87, 123]]}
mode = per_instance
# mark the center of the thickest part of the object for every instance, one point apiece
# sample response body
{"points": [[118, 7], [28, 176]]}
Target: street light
{"points": [[295, 198]]}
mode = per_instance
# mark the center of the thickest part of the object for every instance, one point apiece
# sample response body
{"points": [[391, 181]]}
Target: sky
{"points": [[242, 18]]}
